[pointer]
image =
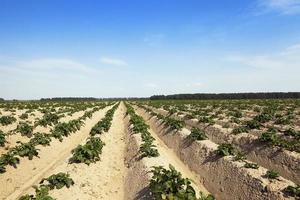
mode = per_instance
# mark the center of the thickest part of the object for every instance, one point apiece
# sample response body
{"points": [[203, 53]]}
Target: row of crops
{"points": [[86, 153], [261, 136]]}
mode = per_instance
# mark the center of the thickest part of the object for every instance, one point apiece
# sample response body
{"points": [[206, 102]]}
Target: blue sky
{"points": [[114, 48]]}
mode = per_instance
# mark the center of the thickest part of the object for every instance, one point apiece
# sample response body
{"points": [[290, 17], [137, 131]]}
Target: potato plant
{"points": [[57, 181], [169, 184], [197, 134], [147, 148], [25, 150], [6, 120], [89, 152], [41, 193], [8, 159], [2, 139], [25, 129]]}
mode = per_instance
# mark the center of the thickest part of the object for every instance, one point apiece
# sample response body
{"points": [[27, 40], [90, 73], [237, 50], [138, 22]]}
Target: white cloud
{"points": [[113, 61], [286, 7], [286, 59]]}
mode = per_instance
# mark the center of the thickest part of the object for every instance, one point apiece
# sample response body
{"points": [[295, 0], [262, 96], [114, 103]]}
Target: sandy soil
{"points": [[29, 172], [103, 179]]}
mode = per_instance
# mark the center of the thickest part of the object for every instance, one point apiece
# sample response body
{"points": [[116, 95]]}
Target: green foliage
{"points": [[41, 193], [251, 165], [24, 116], [58, 181], [40, 138], [148, 150], [65, 129], [205, 119], [104, 124], [174, 123], [6, 120], [197, 134], [240, 156], [226, 150], [26, 149], [25, 129], [241, 129], [170, 185], [292, 191], [8, 159], [263, 118], [273, 139], [48, 119], [253, 124], [89, 152], [2, 139], [272, 174]]}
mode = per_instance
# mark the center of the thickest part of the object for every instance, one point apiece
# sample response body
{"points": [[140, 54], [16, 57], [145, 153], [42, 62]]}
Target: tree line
{"points": [[206, 96]]}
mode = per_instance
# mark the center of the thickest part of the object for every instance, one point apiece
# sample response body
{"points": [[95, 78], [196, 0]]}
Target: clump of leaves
{"points": [[26, 149], [41, 193], [240, 156], [205, 119], [169, 184], [197, 134], [282, 120], [6, 120], [174, 123], [8, 159], [251, 165], [253, 124], [40, 138], [2, 139], [48, 119], [226, 150], [241, 129], [148, 150], [57, 181], [25, 129], [89, 152], [292, 191], [263, 118], [271, 174], [24, 116]]}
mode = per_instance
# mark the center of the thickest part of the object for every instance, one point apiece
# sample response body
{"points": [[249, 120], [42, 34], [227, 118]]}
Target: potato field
{"points": [[158, 149]]}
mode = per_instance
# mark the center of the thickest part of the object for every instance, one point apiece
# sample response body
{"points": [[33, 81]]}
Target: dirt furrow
{"points": [[29, 172]]}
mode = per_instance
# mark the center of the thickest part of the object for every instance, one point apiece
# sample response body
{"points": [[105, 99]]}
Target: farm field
{"points": [[161, 149]]}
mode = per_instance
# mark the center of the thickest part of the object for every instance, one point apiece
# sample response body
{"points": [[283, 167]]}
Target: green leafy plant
{"points": [[8, 159], [41, 193], [26, 149], [292, 191], [57, 181], [240, 156], [89, 152], [148, 150], [241, 129], [225, 150], [174, 123], [272, 174], [197, 134], [6, 120], [2, 139], [251, 165], [40, 138], [170, 185], [25, 129], [24, 116]]}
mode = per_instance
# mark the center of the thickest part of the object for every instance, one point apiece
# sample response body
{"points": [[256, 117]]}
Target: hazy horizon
{"points": [[64, 48]]}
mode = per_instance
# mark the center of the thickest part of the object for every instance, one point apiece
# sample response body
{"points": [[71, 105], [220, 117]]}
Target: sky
{"points": [[138, 48]]}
